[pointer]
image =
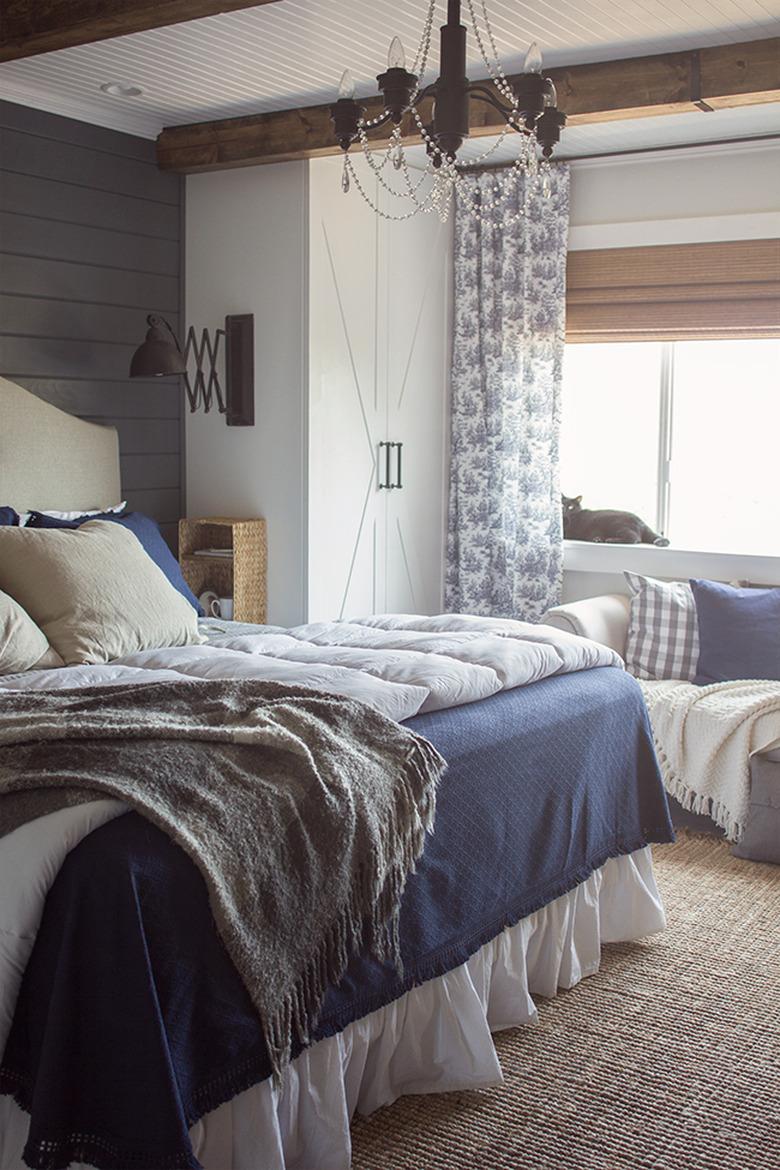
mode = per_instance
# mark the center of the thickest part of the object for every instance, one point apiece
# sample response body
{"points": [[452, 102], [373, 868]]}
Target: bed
{"points": [[540, 854]]}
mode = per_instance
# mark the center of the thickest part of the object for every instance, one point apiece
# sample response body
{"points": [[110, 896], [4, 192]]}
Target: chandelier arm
{"points": [[482, 94], [422, 94]]}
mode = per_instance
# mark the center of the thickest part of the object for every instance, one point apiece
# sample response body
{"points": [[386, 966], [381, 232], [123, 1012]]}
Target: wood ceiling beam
{"points": [[28, 27], [637, 87]]}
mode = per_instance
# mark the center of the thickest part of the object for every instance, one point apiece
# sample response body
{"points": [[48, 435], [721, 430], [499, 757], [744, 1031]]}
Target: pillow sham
{"points": [[94, 592], [8, 517], [663, 635], [739, 632], [85, 513], [46, 520], [148, 532], [22, 645]]}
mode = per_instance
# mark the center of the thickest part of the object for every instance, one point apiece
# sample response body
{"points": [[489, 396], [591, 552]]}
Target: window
{"points": [[685, 433]]}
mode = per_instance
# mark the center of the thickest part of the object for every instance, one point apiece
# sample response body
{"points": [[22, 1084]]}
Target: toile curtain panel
{"points": [[504, 541]]}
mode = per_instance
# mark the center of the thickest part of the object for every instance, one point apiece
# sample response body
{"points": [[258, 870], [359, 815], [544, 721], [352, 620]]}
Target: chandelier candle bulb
{"points": [[347, 85], [533, 59], [396, 57]]}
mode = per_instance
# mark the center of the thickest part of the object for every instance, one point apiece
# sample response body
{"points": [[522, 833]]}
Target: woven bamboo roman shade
{"points": [[674, 292]]}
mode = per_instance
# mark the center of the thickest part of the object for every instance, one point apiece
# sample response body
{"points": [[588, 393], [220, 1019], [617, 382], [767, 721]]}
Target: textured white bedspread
{"points": [[399, 663]]}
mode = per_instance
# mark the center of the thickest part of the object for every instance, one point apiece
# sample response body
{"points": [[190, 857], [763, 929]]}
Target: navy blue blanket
{"points": [[132, 1022]]}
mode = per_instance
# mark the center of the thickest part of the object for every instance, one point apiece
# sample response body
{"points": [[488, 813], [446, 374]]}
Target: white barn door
{"points": [[413, 327], [346, 412], [378, 367]]}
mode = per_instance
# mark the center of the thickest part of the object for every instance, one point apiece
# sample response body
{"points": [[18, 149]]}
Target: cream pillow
{"points": [[94, 591], [22, 645]]}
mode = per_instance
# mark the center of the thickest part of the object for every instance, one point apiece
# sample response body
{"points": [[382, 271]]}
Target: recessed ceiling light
{"points": [[121, 89]]}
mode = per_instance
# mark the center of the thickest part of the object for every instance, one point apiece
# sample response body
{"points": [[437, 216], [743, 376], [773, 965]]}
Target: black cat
{"points": [[605, 526]]}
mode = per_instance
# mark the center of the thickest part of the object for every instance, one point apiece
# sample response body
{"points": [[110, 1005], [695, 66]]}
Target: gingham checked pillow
{"points": [[663, 630]]}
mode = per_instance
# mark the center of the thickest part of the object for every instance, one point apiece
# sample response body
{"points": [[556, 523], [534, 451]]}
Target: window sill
{"points": [[580, 556]]}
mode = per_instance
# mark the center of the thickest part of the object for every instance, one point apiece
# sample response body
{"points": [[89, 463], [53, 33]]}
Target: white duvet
{"points": [[400, 664]]}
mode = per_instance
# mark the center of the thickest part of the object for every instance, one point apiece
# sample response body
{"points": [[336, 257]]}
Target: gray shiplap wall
{"points": [[91, 240]]}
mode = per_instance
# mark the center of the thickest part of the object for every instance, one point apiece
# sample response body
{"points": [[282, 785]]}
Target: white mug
{"points": [[222, 607], [206, 600]]}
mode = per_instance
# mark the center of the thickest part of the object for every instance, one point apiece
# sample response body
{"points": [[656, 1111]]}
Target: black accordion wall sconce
{"points": [[161, 356]]}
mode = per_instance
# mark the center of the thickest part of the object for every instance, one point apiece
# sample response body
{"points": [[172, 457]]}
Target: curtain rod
{"points": [[642, 150]]}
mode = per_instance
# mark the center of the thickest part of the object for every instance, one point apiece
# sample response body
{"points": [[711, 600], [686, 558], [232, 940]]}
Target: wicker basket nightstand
{"points": [[242, 576]]}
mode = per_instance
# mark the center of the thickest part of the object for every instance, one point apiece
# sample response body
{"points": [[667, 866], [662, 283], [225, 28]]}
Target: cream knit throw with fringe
{"points": [[704, 737], [304, 812]]}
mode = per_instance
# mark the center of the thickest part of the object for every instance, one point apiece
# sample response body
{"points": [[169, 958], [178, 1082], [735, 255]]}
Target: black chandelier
{"points": [[527, 104]]}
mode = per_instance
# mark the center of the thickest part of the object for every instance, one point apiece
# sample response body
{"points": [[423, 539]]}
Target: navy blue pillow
{"points": [[146, 530], [8, 517], [739, 632]]}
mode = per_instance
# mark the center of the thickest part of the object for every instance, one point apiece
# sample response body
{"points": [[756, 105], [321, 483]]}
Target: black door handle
{"points": [[386, 483], [387, 448]]}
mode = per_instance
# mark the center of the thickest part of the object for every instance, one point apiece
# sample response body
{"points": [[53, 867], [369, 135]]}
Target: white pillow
{"points": [[23, 646], [115, 508]]}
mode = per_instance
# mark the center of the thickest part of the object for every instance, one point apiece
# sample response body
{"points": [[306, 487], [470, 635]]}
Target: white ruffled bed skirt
{"points": [[434, 1039]]}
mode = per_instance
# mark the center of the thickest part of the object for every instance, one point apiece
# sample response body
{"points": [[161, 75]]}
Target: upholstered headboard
{"points": [[49, 459]]}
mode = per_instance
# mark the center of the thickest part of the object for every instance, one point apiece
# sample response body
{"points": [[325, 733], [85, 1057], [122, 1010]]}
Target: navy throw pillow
{"points": [[739, 632], [8, 517], [147, 532]]}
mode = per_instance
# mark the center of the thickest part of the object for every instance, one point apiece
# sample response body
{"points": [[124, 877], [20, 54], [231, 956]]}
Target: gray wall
{"points": [[91, 239]]}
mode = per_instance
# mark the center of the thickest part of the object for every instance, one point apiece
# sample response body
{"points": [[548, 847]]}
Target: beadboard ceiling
{"points": [[636, 134], [292, 53]]}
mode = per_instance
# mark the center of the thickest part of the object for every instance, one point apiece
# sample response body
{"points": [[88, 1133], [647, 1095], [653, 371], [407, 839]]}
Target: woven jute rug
{"points": [[668, 1058]]}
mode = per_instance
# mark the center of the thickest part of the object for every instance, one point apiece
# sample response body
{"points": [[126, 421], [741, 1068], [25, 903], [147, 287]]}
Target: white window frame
{"points": [[665, 426], [581, 556]]}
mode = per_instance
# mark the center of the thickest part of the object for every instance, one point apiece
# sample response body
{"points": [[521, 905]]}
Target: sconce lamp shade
{"points": [[159, 356]]}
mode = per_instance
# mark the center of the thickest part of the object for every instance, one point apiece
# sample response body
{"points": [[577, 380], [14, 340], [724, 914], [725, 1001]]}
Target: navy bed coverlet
{"points": [[132, 1023]]}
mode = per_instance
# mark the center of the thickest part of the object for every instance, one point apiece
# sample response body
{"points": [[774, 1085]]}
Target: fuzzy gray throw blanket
{"points": [[304, 812]]}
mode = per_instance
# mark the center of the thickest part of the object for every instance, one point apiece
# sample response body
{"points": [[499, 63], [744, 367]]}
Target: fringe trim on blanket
{"points": [[93, 1149], [696, 803], [370, 918]]}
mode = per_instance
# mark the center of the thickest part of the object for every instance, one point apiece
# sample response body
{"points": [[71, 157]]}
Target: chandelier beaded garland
{"points": [[527, 104]]}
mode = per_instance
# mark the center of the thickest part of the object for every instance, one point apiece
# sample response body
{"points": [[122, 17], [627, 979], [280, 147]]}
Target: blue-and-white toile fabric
{"points": [[504, 546]]}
